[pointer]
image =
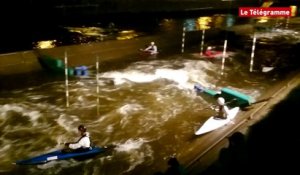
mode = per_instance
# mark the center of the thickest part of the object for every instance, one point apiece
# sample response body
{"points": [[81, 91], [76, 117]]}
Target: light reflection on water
{"points": [[147, 110], [45, 44]]}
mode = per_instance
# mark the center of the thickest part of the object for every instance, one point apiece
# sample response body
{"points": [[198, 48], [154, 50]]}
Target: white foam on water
{"points": [[130, 144], [197, 72], [21, 109], [136, 151], [34, 116], [178, 76], [11, 107], [277, 33], [68, 122], [36, 97], [129, 109], [190, 71], [109, 129], [129, 75], [4, 149]]}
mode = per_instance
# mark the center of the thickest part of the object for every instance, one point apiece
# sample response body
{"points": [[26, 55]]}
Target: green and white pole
{"points": [[252, 53]]}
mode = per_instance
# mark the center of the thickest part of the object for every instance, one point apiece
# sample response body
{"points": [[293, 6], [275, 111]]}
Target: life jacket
{"points": [[222, 113], [151, 48], [208, 53], [86, 134]]}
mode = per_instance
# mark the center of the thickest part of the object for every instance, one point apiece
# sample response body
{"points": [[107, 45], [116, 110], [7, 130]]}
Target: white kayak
{"points": [[214, 123]]}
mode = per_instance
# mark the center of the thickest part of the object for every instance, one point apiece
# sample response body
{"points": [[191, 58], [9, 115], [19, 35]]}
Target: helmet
{"points": [[221, 101], [152, 43], [82, 128], [209, 48]]}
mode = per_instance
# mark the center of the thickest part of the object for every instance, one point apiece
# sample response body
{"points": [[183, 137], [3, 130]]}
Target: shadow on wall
{"points": [[272, 144]]}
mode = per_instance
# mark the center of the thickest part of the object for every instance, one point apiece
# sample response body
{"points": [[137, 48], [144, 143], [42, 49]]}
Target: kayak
{"points": [[148, 53], [214, 55], [54, 65], [214, 123], [218, 55], [57, 66], [60, 155]]}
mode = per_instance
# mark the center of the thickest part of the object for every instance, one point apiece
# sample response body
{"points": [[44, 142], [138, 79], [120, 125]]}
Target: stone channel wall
{"points": [[85, 54]]}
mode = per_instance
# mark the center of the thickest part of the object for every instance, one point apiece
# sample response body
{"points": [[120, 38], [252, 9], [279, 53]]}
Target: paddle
{"points": [[213, 107], [262, 100], [259, 101]]}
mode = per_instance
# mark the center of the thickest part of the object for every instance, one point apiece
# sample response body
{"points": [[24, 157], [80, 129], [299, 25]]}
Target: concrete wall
{"points": [[86, 54], [18, 62], [114, 51]]}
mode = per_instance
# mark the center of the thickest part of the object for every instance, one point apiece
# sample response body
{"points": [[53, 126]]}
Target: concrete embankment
{"points": [[85, 54], [18, 62]]}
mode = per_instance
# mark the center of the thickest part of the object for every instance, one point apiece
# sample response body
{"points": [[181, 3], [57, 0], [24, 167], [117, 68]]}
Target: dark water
{"points": [[148, 108]]}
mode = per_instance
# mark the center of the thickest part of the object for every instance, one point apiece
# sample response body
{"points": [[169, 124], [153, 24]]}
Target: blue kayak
{"points": [[60, 155]]}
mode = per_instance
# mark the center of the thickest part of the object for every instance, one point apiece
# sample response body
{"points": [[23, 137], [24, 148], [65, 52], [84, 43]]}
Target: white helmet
{"points": [[152, 43], [221, 101]]}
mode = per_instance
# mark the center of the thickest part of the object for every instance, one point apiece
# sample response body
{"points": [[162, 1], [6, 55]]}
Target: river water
{"points": [[147, 109]]}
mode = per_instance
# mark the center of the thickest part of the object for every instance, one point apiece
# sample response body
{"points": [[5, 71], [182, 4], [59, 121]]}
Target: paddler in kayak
{"points": [[222, 109], [209, 51], [151, 49], [83, 143]]}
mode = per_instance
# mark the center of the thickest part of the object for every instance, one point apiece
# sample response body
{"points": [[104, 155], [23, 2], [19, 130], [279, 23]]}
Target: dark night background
{"points": [[23, 21]]}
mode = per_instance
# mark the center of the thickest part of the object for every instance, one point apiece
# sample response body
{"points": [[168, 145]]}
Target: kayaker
{"points": [[152, 48], [83, 142], [209, 52], [222, 109]]}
